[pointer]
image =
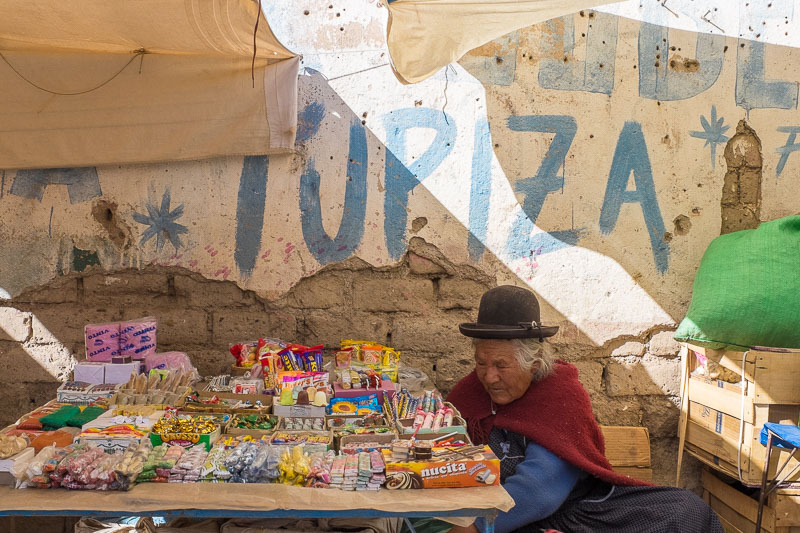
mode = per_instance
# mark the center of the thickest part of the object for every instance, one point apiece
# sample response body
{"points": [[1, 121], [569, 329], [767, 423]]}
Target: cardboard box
{"points": [[85, 396], [231, 429], [448, 471], [316, 441], [718, 412], [109, 444], [296, 410], [384, 440], [93, 372], [387, 387], [738, 511], [187, 440], [121, 373], [265, 399]]}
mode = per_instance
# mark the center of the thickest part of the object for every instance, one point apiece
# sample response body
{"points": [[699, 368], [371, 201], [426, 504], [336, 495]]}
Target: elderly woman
{"points": [[537, 418]]}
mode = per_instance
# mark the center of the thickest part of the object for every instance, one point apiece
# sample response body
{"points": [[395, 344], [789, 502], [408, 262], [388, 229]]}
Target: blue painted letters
{"points": [[351, 227], [401, 178], [82, 183], [788, 148], [662, 78], [753, 91], [520, 242], [480, 190], [631, 156], [250, 212], [596, 73]]}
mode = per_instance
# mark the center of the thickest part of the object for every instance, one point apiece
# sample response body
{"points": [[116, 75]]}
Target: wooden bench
{"points": [[628, 451]]}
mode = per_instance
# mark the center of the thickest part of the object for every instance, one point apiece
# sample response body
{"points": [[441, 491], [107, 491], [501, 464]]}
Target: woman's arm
{"points": [[539, 486]]}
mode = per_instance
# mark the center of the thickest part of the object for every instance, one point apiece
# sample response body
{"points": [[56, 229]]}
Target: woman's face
{"points": [[499, 372]]}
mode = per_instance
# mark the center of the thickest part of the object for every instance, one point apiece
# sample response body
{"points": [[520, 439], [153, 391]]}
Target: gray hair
{"points": [[528, 352]]}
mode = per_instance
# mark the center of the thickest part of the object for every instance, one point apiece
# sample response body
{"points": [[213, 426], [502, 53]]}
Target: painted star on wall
{"points": [[713, 132], [162, 223]]}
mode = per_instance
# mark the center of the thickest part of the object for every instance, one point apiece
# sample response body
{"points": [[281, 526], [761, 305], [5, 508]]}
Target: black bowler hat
{"points": [[508, 312]]}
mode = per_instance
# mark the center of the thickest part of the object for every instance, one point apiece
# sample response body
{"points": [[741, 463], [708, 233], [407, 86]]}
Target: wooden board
{"points": [[734, 521], [726, 426], [715, 444], [627, 446], [776, 377], [741, 502], [636, 472], [726, 399], [711, 461]]}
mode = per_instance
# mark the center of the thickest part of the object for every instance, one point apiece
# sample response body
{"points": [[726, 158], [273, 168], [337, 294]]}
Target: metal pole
{"points": [[763, 493]]}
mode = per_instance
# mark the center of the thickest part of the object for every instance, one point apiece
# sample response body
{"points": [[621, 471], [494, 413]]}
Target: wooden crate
{"points": [[628, 450], [715, 413], [738, 510]]}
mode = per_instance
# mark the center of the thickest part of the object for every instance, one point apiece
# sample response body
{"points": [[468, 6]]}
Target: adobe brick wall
{"points": [[414, 306]]}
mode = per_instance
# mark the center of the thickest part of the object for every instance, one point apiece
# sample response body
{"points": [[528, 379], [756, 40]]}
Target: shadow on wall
{"points": [[414, 306], [604, 127]]}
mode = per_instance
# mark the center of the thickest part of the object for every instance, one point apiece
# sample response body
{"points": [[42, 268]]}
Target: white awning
{"points": [[94, 82], [426, 35]]}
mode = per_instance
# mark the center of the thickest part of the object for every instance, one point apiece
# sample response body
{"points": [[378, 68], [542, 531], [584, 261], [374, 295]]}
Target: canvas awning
{"points": [[94, 82], [426, 35]]}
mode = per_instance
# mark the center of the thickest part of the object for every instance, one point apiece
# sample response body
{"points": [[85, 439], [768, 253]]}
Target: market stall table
{"points": [[262, 501]]}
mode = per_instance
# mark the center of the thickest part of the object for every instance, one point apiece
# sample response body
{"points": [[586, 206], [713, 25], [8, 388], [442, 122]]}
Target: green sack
{"points": [[84, 417], [747, 290], [59, 419]]}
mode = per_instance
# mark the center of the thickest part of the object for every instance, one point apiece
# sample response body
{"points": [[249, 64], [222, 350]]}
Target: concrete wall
{"points": [[592, 158]]}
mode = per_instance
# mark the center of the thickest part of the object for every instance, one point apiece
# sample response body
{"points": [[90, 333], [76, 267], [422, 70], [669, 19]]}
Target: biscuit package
{"points": [[470, 466]]}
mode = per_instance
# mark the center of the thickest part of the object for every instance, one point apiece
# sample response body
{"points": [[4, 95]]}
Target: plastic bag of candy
{"points": [[294, 466]]}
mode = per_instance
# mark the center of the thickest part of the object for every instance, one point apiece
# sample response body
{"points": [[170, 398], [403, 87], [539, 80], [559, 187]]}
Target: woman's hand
{"points": [[469, 529]]}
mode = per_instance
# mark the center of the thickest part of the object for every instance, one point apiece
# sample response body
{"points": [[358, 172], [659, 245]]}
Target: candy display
{"points": [[187, 430], [304, 423], [301, 437], [188, 468], [368, 356], [155, 389], [277, 418], [80, 393], [252, 424], [298, 380]]}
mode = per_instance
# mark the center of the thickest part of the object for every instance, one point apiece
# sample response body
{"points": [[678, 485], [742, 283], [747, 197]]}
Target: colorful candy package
{"points": [[361, 405]]}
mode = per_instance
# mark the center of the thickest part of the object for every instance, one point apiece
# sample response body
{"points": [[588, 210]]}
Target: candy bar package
{"points": [[138, 337], [102, 341], [467, 466]]}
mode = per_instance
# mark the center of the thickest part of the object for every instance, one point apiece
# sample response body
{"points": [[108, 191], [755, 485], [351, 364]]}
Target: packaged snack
{"points": [[361, 405], [11, 445], [246, 354], [312, 359], [294, 466], [137, 338], [343, 357]]}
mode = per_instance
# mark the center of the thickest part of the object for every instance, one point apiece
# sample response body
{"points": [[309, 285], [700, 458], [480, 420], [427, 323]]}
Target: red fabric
{"points": [[555, 413]]}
